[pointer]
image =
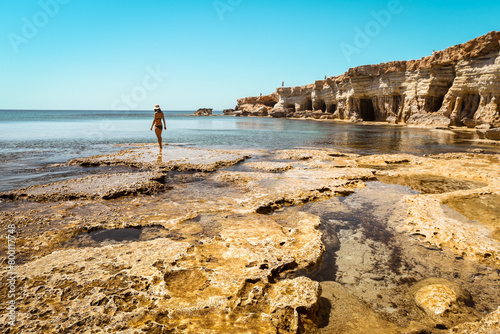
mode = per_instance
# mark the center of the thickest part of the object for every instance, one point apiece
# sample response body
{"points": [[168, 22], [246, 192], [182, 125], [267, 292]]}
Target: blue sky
{"points": [[188, 54]]}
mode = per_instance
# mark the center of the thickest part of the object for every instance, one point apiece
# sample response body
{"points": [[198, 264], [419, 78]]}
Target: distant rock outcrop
{"points": [[204, 112], [458, 86], [228, 112]]}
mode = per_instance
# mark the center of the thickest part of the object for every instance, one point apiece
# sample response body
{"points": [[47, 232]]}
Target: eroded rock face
{"points": [[204, 112], [436, 299], [461, 82], [251, 104]]}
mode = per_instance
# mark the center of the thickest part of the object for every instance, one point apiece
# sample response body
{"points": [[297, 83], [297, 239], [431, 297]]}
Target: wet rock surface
{"points": [[293, 241], [91, 187], [174, 158]]}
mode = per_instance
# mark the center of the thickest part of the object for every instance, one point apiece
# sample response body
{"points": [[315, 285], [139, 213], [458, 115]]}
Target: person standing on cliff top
{"points": [[159, 116]]}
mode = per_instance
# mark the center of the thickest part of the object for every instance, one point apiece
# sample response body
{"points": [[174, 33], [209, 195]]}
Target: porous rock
{"points": [[224, 284], [172, 158], [91, 187]]}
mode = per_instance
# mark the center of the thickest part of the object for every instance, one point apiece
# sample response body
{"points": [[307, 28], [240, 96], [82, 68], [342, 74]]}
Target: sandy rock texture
{"points": [[221, 244], [91, 187], [488, 325], [194, 259], [466, 182], [174, 158], [457, 86], [224, 283], [444, 301]]}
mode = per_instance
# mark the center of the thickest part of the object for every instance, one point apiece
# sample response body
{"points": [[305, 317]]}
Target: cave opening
{"points": [[470, 104], [366, 110], [319, 105], [322, 106], [331, 108], [308, 104], [291, 106], [270, 104], [434, 103]]}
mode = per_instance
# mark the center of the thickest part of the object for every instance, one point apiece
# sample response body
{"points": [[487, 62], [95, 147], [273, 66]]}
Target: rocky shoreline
{"points": [[459, 86], [256, 241]]}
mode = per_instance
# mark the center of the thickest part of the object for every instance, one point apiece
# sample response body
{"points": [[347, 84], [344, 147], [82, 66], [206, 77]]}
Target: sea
{"points": [[35, 144]]}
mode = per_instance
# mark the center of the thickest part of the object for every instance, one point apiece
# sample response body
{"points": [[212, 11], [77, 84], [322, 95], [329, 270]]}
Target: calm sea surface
{"points": [[31, 142]]}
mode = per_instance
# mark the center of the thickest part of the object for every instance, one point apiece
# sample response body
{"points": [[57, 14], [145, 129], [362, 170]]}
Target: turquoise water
{"points": [[32, 141]]}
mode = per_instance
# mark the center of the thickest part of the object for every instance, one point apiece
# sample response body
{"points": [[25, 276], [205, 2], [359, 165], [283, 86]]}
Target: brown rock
{"points": [[204, 112], [471, 123], [493, 134], [444, 301], [488, 325]]}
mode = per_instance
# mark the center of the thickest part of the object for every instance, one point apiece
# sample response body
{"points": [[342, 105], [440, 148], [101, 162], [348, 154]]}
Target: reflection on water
{"points": [[119, 235], [432, 184], [484, 208], [28, 144], [375, 261]]}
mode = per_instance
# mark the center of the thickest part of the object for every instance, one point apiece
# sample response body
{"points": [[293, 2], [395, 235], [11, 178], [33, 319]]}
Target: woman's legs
{"points": [[158, 135]]}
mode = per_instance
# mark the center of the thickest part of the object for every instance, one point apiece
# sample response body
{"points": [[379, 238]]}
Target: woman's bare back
{"points": [[158, 117]]}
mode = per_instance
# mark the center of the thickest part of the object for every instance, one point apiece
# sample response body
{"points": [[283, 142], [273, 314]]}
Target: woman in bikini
{"points": [[158, 125]]}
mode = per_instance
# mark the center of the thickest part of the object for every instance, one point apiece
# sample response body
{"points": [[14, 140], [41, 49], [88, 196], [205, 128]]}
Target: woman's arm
{"points": [[152, 125], [165, 123]]}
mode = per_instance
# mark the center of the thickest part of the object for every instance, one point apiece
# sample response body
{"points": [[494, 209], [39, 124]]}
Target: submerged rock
{"points": [[490, 324], [444, 302]]}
